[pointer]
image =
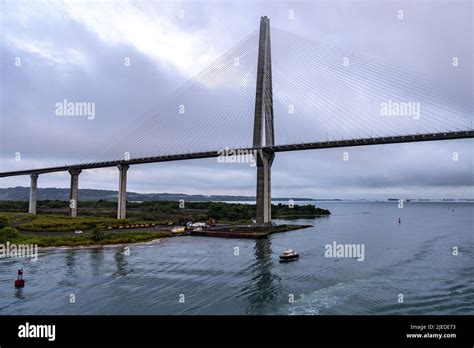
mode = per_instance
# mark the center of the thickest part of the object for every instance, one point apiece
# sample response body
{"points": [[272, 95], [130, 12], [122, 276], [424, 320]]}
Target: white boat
{"points": [[289, 255]]}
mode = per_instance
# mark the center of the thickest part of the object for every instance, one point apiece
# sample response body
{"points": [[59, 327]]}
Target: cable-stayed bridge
{"points": [[276, 93]]}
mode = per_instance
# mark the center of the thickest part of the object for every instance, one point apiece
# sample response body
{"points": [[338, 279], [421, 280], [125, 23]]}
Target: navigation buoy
{"points": [[399, 220], [20, 282]]}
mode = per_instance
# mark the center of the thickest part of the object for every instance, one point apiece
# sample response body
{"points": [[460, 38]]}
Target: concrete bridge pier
{"points": [[264, 115], [122, 195], [33, 189], [74, 193], [264, 187]]}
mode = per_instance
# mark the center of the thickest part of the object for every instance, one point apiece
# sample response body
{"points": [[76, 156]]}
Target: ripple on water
{"points": [[318, 300], [413, 258]]}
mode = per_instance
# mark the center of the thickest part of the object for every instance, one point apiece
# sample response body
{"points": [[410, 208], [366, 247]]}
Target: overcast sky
{"points": [[76, 50]]}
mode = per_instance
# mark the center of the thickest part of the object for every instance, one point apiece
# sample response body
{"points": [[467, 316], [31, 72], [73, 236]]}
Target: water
{"points": [[413, 258]]}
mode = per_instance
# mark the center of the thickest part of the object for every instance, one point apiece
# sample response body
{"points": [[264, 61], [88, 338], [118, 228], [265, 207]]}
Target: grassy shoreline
{"points": [[98, 246], [96, 224], [50, 230]]}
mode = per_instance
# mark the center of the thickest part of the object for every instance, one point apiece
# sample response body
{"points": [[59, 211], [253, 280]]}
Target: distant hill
{"points": [[20, 193]]}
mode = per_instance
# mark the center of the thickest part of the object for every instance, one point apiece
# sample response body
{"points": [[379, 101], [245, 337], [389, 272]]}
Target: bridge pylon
{"points": [[122, 193], [264, 116], [33, 189], [74, 191]]}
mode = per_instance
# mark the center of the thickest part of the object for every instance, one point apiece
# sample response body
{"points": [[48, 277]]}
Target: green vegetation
{"points": [[3, 222], [155, 211], [232, 212], [8, 233], [103, 213], [97, 234], [93, 231], [310, 210], [61, 223], [53, 227], [87, 239]]}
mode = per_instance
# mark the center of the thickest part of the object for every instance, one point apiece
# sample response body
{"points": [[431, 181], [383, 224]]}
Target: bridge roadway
{"points": [[275, 148]]}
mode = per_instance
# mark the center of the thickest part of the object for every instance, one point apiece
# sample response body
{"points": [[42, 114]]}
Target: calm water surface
{"points": [[413, 258]]}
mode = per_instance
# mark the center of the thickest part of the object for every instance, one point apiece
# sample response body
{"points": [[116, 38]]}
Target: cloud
{"points": [[75, 50], [145, 26]]}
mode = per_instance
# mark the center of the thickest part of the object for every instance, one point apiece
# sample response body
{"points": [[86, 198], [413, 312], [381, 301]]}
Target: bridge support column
{"points": [[33, 189], [263, 121], [264, 187], [122, 194], [74, 193]]}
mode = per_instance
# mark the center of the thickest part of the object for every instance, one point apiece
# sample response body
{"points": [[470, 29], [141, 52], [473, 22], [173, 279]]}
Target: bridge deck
{"points": [[275, 148]]}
